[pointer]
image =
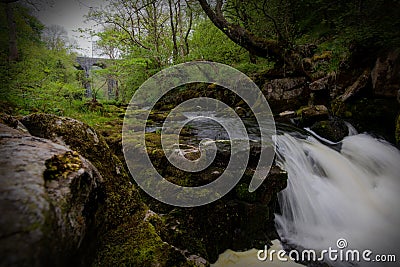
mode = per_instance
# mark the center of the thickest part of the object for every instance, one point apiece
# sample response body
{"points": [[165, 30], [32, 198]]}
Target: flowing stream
{"points": [[351, 194], [347, 191], [337, 192]]}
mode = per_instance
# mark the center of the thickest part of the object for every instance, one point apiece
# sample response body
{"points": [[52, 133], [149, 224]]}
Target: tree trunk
{"points": [[173, 29], [116, 90], [189, 28], [179, 21], [284, 56], [12, 33], [255, 45]]}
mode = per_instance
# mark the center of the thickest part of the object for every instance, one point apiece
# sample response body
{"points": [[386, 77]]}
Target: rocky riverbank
{"points": [[87, 204], [67, 199]]}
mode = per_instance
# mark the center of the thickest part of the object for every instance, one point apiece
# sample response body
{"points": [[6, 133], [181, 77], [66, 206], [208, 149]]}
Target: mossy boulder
{"points": [[372, 115], [311, 114], [45, 201], [118, 234], [334, 130]]}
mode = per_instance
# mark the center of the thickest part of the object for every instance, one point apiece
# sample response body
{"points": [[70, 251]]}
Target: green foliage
{"points": [[248, 68], [330, 55], [28, 28], [42, 79], [46, 79], [133, 71], [134, 28], [210, 43]]}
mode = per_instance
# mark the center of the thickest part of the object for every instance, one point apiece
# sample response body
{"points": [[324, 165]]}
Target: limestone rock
{"points": [[358, 85], [45, 190], [376, 116], [333, 130], [119, 235], [287, 114], [285, 93], [285, 88], [311, 114], [322, 83]]}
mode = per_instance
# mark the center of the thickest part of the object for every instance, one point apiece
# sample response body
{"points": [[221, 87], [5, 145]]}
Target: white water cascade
{"points": [[353, 194]]}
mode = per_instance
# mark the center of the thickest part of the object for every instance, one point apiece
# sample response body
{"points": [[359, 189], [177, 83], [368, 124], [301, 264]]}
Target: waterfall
{"points": [[351, 194]]}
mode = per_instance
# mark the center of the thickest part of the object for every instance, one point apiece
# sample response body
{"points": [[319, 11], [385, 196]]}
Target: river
{"points": [[344, 196]]}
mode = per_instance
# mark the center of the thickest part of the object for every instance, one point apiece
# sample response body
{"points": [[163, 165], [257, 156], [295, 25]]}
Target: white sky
{"points": [[70, 15]]}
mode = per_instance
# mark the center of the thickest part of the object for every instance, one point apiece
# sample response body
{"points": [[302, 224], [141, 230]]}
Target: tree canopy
{"points": [[276, 29], [143, 36]]}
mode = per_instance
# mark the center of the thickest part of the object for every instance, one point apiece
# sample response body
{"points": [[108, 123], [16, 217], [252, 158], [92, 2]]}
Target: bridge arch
{"points": [[86, 64]]}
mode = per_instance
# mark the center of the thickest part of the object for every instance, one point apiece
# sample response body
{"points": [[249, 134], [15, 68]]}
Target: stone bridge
{"points": [[86, 64]]}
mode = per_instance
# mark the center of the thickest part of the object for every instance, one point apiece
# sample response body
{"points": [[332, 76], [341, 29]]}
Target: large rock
{"points": [[376, 116], [386, 74], [286, 93], [323, 83], [334, 130], [240, 220], [312, 114], [117, 232], [285, 88], [124, 232], [45, 193]]}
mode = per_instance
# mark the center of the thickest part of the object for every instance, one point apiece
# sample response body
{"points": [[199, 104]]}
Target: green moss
{"points": [[62, 165], [136, 243], [324, 55], [334, 130], [242, 193], [158, 116], [8, 120], [121, 237], [299, 112]]}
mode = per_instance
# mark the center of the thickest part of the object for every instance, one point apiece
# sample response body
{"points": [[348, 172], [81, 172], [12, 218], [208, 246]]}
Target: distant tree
{"points": [[181, 22], [158, 30], [108, 42], [55, 37], [12, 31], [10, 7], [138, 25]]}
